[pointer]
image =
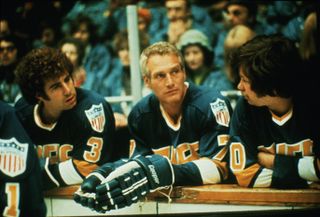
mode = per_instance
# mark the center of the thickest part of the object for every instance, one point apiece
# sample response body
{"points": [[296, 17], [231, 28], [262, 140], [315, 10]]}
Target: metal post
{"points": [[134, 53]]}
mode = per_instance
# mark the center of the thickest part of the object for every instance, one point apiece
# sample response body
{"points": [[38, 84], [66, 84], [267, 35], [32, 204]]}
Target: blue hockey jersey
{"points": [[292, 138], [196, 145], [78, 142], [20, 177]]}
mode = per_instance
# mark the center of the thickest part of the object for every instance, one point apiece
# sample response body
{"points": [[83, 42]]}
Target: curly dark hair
{"points": [[272, 64], [38, 66]]}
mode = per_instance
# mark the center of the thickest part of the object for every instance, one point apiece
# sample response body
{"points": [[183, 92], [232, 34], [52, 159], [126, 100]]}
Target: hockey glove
{"points": [[85, 195], [132, 181]]}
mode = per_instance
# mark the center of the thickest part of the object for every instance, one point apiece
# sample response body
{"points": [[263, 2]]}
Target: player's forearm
{"points": [[266, 160], [286, 173], [198, 172], [60, 174], [186, 174], [297, 170]]}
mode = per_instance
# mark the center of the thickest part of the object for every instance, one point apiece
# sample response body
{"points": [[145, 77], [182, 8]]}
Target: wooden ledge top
{"points": [[222, 194]]}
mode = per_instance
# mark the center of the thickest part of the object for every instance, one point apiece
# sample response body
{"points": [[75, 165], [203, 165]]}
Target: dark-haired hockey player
{"points": [[274, 133], [72, 128]]}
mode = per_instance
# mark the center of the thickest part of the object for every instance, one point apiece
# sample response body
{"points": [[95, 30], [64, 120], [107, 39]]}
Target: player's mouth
{"points": [[71, 100], [172, 92]]}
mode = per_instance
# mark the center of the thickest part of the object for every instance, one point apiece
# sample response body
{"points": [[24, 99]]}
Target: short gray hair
{"points": [[159, 48]]}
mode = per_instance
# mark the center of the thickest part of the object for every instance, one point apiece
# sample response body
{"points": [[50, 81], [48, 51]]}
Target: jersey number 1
{"points": [[12, 208]]}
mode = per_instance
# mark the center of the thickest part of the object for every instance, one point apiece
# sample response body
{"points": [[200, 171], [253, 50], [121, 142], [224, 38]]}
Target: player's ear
{"points": [[146, 80], [40, 97]]}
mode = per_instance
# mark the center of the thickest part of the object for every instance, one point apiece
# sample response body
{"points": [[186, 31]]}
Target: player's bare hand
{"points": [[266, 159], [121, 120]]}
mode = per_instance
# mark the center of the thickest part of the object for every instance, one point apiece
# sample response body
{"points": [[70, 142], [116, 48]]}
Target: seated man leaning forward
{"points": [[274, 132], [72, 128], [180, 133]]}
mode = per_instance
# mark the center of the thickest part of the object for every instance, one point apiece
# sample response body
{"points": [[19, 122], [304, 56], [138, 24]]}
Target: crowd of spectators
{"points": [[67, 56], [96, 31]]}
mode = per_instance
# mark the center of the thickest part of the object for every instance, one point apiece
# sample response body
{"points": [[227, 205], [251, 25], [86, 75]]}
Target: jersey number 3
{"points": [[94, 154]]}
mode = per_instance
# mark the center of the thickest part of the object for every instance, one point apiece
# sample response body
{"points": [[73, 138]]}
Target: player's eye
{"points": [[160, 76], [245, 80], [175, 71], [67, 79], [55, 86]]}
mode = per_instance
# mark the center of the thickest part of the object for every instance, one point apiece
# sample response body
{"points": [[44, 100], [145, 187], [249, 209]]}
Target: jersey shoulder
{"points": [[146, 106], [92, 111], [16, 149], [203, 98], [89, 100], [24, 110]]}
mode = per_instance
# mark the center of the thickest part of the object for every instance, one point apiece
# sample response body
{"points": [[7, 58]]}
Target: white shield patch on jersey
{"points": [[221, 112], [96, 117], [13, 157]]}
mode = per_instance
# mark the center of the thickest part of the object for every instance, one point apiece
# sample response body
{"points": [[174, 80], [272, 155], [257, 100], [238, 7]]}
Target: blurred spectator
{"points": [[286, 17], [74, 50], [99, 11], [215, 9], [109, 16], [119, 13], [236, 37], [182, 16], [4, 27], [308, 46], [144, 19], [117, 81], [97, 57], [198, 56], [239, 12], [48, 35], [10, 53], [309, 51], [28, 15]]}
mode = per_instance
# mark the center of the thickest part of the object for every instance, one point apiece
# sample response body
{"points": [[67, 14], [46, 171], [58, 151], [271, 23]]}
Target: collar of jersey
{"points": [[167, 118], [283, 119], [38, 121]]}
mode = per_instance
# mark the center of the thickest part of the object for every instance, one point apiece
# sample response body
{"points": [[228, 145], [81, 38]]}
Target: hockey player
{"points": [[179, 135], [20, 177], [273, 142], [72, 128]]}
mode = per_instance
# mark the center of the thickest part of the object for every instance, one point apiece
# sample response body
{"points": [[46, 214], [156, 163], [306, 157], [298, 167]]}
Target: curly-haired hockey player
{"points": [[72, 128]]}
